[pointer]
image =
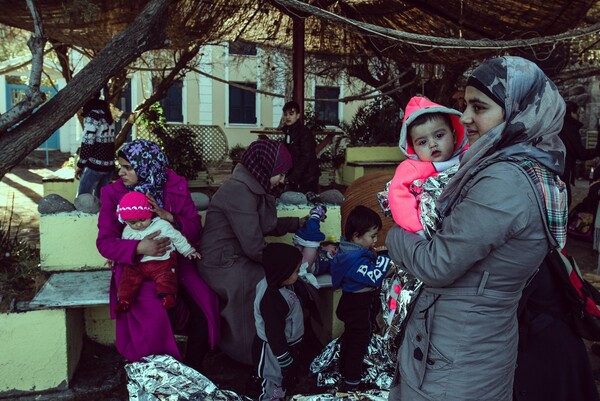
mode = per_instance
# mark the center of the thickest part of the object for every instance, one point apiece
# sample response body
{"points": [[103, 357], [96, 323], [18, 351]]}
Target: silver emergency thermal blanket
{"points": [[397, 294], [369, 395], [427, 194], [163, 378], [426, 191]]}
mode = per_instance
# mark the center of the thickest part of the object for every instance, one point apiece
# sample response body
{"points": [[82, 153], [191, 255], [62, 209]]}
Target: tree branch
{"points": [[159, 92], [33, 95], [146, 32]]}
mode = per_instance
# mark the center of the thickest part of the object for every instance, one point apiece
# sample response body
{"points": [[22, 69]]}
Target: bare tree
{"points": [[33, 95], [146, 32], [181, 66]]}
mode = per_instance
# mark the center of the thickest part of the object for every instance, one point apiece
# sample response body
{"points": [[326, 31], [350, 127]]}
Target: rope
{"points": [[346, 99], [433, 41]]}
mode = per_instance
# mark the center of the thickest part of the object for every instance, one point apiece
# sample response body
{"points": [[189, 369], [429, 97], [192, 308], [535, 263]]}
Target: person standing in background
{"points": [[575, 150], [300, 142], [96, 163]]}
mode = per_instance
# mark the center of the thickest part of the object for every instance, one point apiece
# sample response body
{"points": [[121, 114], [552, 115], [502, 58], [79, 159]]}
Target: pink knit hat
{"points": [[133, 206]]}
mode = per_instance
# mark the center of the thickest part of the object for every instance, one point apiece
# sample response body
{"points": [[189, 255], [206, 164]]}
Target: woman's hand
{"points": [[153, 247], [160, 212], [302, 221]]}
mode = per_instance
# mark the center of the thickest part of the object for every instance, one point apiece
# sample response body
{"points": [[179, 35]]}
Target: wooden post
{"points": [[298, 62]]}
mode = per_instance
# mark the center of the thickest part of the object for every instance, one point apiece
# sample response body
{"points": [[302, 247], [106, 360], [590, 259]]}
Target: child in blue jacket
{"points": [[358, 270]]}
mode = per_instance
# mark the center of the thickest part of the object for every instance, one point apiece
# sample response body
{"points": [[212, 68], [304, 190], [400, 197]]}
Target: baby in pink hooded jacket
{"points": [[432, 138]]}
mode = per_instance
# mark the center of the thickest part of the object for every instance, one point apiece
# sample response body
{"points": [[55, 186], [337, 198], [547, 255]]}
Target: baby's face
{"points": [[433, 141], [138, 224]]}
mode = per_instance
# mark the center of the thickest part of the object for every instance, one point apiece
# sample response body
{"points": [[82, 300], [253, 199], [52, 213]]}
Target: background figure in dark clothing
{"points": [[552, 362], [304, 176], [96, 163], [575, 150]]}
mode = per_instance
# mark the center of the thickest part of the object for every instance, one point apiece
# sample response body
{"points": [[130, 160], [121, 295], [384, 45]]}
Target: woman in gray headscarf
{"points": [[503, 210]]}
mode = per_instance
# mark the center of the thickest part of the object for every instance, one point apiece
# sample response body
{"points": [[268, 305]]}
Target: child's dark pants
{"points": [[355, 311]]}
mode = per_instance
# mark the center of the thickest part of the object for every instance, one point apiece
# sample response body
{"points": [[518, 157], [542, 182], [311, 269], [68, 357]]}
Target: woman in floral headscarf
{"points": [[147, 329], [503, 210], [241, 213]]}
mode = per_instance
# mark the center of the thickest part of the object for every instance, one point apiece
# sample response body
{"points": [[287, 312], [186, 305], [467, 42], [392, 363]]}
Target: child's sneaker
{"points": [[345, 388], [319, 211]]}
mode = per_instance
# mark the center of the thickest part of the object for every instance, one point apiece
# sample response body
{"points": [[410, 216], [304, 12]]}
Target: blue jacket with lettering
{"points": [[356, 269]]}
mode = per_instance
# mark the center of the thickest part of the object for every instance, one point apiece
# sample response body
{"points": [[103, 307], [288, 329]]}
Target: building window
{"points": [[242, 104], [172, 104], [327, 112], [243, 48]]}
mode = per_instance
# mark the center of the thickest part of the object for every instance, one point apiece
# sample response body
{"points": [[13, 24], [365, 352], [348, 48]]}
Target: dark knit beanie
{"points": [[279, 262]]}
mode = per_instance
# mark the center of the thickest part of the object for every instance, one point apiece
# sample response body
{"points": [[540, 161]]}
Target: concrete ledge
{"points": [[374, 153], [88, 290], [62, 182], [380, 163], [68, 242], [73, 290], [40, 350]]}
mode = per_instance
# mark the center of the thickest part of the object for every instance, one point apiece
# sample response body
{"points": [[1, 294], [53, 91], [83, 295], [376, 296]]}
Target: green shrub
{"points": [[377, 122], [177, 143], [20, 273]]}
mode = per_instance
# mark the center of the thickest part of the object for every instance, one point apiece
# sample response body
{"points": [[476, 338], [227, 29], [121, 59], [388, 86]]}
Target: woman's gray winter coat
{"points": [[239, 217], [461, 341]]}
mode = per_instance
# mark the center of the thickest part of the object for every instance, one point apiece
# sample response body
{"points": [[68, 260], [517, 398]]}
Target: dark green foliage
{"points": [[236, 152], [20, 273], [377, 122], [311, 121], [179, 144]]}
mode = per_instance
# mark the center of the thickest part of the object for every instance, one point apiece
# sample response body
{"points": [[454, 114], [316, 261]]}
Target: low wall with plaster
{"points": [[50, 339]]}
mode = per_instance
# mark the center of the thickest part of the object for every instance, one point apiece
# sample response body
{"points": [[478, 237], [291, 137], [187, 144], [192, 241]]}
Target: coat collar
{"points": [[241, 174]]}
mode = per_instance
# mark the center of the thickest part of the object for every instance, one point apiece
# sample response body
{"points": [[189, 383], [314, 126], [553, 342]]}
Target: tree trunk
{"points": [[145, 33]]}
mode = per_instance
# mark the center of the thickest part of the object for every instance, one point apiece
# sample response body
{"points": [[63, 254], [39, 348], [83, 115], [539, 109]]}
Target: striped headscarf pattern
{"points": [[266, 158]]}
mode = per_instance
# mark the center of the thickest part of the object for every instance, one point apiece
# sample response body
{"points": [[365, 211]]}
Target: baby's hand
{"points": [[194, 255], [331, 250]]}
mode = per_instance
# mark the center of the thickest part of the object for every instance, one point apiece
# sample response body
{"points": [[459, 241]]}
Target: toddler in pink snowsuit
{"points": [[432, 138]]}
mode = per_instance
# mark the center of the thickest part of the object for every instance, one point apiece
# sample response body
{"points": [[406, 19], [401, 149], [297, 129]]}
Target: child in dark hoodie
{"points": [[279, 324], [432, 138], [299, 140], [358, 270]]}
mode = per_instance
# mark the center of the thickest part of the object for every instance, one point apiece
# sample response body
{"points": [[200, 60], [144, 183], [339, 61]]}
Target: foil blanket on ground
{"points": [[162, 377], [369, 395]]}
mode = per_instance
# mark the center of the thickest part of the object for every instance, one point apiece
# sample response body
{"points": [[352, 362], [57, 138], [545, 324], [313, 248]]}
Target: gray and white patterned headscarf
{"points": [[534, 112]]}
